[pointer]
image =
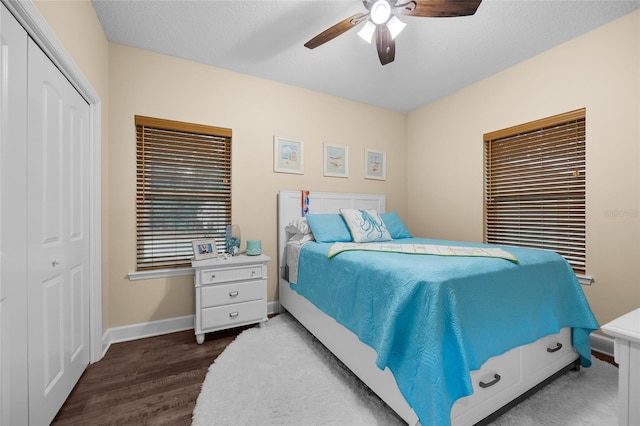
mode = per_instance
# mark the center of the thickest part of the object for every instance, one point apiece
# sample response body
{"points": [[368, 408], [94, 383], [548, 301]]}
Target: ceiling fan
{"points": [[381, 21]]}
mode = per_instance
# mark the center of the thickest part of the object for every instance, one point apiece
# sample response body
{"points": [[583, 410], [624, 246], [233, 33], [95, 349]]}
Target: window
{"points": [[183, 190], [535, 186]]}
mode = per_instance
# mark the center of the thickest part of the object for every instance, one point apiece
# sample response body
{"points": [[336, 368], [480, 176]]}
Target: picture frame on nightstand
{"points": [[204, 248]]}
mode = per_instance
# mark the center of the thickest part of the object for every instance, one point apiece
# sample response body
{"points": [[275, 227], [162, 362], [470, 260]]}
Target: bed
{"points": [[465, 376]]}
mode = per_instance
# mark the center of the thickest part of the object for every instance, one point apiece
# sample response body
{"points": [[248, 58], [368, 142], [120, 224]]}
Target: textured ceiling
{"points": [[434, 56]]}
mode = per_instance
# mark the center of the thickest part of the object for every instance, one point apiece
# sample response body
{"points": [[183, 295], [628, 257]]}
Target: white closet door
{"points": [[58, 237], [13, 221]]}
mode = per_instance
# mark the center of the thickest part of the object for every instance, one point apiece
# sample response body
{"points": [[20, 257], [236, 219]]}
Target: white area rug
{"points": [[279, 374]]}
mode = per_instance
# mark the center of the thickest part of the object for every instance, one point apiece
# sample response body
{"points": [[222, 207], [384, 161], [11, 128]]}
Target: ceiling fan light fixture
{"points": [[366, 33], [380, 12], [395, 26]]}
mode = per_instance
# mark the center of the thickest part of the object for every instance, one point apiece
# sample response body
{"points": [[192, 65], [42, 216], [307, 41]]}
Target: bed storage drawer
{"points": [[225, 294], [519, 369], [499, 380], [548, 354], [230, 315]]}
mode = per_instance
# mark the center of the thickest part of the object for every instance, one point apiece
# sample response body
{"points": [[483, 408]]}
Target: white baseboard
{"points": [[601, 343], [141, 330]]}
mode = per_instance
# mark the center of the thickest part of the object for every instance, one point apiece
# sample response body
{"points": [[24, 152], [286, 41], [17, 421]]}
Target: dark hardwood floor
{"points": [[152, 381], [603, 357]]}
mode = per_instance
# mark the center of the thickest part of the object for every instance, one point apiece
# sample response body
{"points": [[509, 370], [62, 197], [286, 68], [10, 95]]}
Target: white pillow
{"points": [[301, 238], [365, 225], [298, 226]]}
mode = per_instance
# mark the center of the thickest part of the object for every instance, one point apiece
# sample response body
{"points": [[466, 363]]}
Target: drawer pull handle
{"points": [[496, 379], [233, 315], [212, 277], [556, 349], [233, 293]]}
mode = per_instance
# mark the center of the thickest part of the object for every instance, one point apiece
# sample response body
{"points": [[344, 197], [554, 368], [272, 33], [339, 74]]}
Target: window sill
{"points": [[585, 279], [159, 273]]}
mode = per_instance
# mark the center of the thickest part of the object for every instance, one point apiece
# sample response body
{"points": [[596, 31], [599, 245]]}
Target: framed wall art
{"points": [[204, 249], [288, 155], [336, 160], [375, 164]]}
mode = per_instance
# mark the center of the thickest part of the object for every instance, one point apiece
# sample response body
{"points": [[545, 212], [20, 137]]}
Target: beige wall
{"points": [[434, 153], [146, 83], [77, 26], [599, 71]]}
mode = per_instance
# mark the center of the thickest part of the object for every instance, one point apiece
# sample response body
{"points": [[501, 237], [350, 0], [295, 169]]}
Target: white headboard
{"points": [[290, 204]]}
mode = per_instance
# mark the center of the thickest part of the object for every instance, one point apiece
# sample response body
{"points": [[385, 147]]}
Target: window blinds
{"points": [[183, 189], [535, 186]]}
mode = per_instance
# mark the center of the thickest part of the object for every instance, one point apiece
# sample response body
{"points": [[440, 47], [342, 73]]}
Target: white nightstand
{"points": [[230, 292], [626, 331]]}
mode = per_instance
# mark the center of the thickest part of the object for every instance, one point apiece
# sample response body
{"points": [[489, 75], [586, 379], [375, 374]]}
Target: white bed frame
{"points": [[361, 358]]}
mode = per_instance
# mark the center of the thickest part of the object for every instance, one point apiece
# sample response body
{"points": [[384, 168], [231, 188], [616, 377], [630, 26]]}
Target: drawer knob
{"points": [[233, 315], [496, 379], [212, 277], [233, 293], [253, 273], [556, 349]]}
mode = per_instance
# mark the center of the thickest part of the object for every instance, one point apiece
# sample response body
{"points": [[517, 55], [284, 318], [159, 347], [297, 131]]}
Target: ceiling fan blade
{"points": [[386, 45], [334, 31], [438, 8]]}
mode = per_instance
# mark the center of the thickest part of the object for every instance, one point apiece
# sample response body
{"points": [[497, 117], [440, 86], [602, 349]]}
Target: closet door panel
{"points": [[13, 222], [46, 157], [78, 311], [53, 350], [58, 243], [77, 218]]}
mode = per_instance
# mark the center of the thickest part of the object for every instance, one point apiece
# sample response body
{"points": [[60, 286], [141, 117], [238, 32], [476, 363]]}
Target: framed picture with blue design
{"points": [[336, 160], [288, 155], [204, 249], [375, 164]]}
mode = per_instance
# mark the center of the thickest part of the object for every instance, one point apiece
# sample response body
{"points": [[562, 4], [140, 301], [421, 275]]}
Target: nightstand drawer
{"points": [[224, 294], [229, 315], [212, 276]]}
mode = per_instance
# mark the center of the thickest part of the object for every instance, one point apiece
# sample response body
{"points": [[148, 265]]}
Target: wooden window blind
{"points": [[535, 186], [183, 189]]}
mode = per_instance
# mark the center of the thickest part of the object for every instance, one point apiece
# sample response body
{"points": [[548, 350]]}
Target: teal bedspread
{"points": [[433, 319]]}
